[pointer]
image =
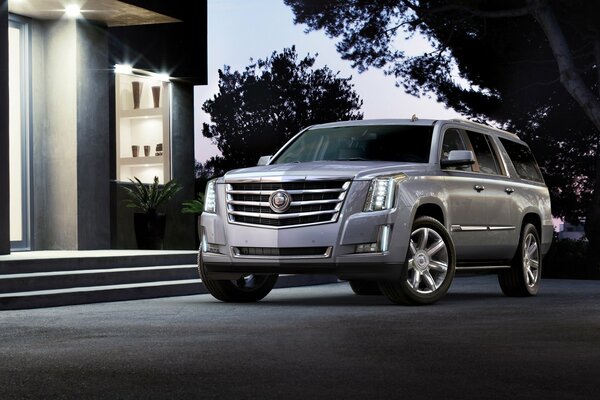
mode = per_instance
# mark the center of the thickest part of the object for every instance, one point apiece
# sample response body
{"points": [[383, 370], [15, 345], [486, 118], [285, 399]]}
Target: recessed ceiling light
{"points": [[123, 69], [73, 11]]}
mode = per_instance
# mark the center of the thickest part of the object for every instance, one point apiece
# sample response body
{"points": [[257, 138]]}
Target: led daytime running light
{"points": [[210, 199]]}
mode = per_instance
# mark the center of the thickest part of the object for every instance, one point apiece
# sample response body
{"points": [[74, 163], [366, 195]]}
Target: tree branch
{"points": [[597, 58], [569, 76], [515, 12]]}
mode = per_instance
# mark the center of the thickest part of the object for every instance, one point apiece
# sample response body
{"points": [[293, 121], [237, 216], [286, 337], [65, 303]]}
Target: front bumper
{"points": [[231, 250]]}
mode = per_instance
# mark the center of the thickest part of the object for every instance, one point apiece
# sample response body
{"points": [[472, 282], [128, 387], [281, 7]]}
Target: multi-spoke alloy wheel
{"points": [[428, 262], [429, 268], [523, 277], [531, 260]]}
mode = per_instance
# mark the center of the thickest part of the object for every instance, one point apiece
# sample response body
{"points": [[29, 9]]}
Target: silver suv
{"points": [[393, 206]]}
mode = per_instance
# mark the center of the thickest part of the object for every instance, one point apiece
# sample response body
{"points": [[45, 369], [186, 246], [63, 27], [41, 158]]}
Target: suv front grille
{"points": [[312, 202]]}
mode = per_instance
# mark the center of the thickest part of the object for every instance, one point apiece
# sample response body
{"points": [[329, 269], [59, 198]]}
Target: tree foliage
{"points": [[257, 110], [530, 65]]}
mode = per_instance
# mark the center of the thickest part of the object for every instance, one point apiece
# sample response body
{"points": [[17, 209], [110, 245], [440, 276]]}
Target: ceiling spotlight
{"points": [[73, 11], [163, 77], [123, 69]]}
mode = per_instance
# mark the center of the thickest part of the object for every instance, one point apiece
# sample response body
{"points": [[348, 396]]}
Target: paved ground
{"points": [[315, 342]]}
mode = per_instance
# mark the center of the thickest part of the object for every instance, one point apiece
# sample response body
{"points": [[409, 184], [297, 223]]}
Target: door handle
{"points": [[509, 190], [479, 188]]}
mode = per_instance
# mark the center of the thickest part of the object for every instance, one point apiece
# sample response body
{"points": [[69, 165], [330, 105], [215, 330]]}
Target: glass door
{"points": [[19, 133]]}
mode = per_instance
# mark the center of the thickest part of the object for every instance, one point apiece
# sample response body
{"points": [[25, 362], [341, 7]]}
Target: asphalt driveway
{"points": [[311, 342]]}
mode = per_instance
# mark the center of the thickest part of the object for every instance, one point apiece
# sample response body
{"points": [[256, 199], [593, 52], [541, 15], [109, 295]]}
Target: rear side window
{"points": [[523, 160]]}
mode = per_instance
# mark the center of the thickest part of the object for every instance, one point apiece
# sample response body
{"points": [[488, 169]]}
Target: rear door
{"points": [[499, 207]]}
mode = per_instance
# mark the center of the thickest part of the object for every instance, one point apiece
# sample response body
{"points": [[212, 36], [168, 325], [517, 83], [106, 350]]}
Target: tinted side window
{"points": [[523, 160], [483, 151], [453, 141]]}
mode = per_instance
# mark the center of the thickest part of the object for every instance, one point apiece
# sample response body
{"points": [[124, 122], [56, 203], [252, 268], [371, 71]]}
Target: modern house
{"points": [[92, 93]]}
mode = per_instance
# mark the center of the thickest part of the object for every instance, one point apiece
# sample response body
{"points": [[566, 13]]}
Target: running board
{"points": [[482, 267]]}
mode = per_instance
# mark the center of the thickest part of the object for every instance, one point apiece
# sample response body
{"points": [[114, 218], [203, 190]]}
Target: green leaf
{"points": [[149, 197]]}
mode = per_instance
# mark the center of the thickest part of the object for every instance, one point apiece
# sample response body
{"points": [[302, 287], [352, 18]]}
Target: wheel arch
{"points": [[534, 219], [430, 209]]}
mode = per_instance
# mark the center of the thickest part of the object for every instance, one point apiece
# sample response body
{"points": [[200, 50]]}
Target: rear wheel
{"points": [[523, 277], [429, 267], [365, 288], [250, 288]]}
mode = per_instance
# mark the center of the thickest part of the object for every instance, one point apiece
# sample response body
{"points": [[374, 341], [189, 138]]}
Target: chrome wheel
{"points": [[429, 268], [531, 260], [428, 261], [525, 273]]}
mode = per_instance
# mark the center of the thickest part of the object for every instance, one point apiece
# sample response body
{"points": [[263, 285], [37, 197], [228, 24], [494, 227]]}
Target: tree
{"points": [[530, 65], [257, 110]]}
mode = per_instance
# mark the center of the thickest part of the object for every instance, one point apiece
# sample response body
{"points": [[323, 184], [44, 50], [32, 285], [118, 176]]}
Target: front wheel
{"points": [[365, 288], [248, 289], [429, 267], [523, 277]]}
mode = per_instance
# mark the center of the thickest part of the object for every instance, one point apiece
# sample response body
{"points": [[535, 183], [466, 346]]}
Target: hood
{"points": [[356, 170]]}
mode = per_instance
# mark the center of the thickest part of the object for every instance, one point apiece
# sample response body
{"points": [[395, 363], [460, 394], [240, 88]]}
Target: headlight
{"points": [[210, 199], [382, 191]]}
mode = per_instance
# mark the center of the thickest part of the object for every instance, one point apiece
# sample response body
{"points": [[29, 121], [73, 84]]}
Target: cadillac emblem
{"points": [[280, 201]]}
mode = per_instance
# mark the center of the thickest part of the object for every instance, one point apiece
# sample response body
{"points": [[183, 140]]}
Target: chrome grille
{"points": [[312, 202]]}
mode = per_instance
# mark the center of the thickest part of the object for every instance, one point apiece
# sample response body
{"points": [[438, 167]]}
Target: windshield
{"points": [[400, 143]]}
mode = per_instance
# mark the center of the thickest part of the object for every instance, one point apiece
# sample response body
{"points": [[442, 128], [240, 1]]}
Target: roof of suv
{"points": [[417, 122]]}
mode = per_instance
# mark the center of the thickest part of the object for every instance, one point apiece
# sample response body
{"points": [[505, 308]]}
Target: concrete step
{"points": [[36, 281], [46, 261], [48, 279], [99, 294], [56, 278]]}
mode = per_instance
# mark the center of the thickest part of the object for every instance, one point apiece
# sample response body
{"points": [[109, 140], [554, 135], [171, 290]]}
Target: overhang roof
{"points": [[110, 12]]}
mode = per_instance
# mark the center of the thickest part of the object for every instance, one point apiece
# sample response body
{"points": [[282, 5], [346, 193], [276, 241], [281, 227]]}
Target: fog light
{"points": [[366, 248], [382, 245]]}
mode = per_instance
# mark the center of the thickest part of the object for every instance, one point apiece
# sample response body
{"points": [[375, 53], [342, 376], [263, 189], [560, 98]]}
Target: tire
{"points": [[248, 289], [429, 268], [523, 277], [365, 288]]}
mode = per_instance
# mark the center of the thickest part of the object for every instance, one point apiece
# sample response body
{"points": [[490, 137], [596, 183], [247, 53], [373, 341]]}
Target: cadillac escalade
{"points": [[396, 207]]}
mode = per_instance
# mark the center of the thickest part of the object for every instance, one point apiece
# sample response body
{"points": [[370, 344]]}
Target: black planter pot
{"points": [[149, 230]]}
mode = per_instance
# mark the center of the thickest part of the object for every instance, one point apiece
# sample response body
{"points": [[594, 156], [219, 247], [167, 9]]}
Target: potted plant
{"points": [[149, 224], [195, 207]]}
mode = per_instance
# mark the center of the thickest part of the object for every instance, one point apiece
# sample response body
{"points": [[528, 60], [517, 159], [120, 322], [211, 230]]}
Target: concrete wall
{"points": [[180, 232], [4, 152], [70, 136], [93, 157], [54, 112]]}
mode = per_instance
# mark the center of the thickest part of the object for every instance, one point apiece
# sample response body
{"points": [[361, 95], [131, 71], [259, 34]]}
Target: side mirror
{"points": [[264, 160], [458, 158]]}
